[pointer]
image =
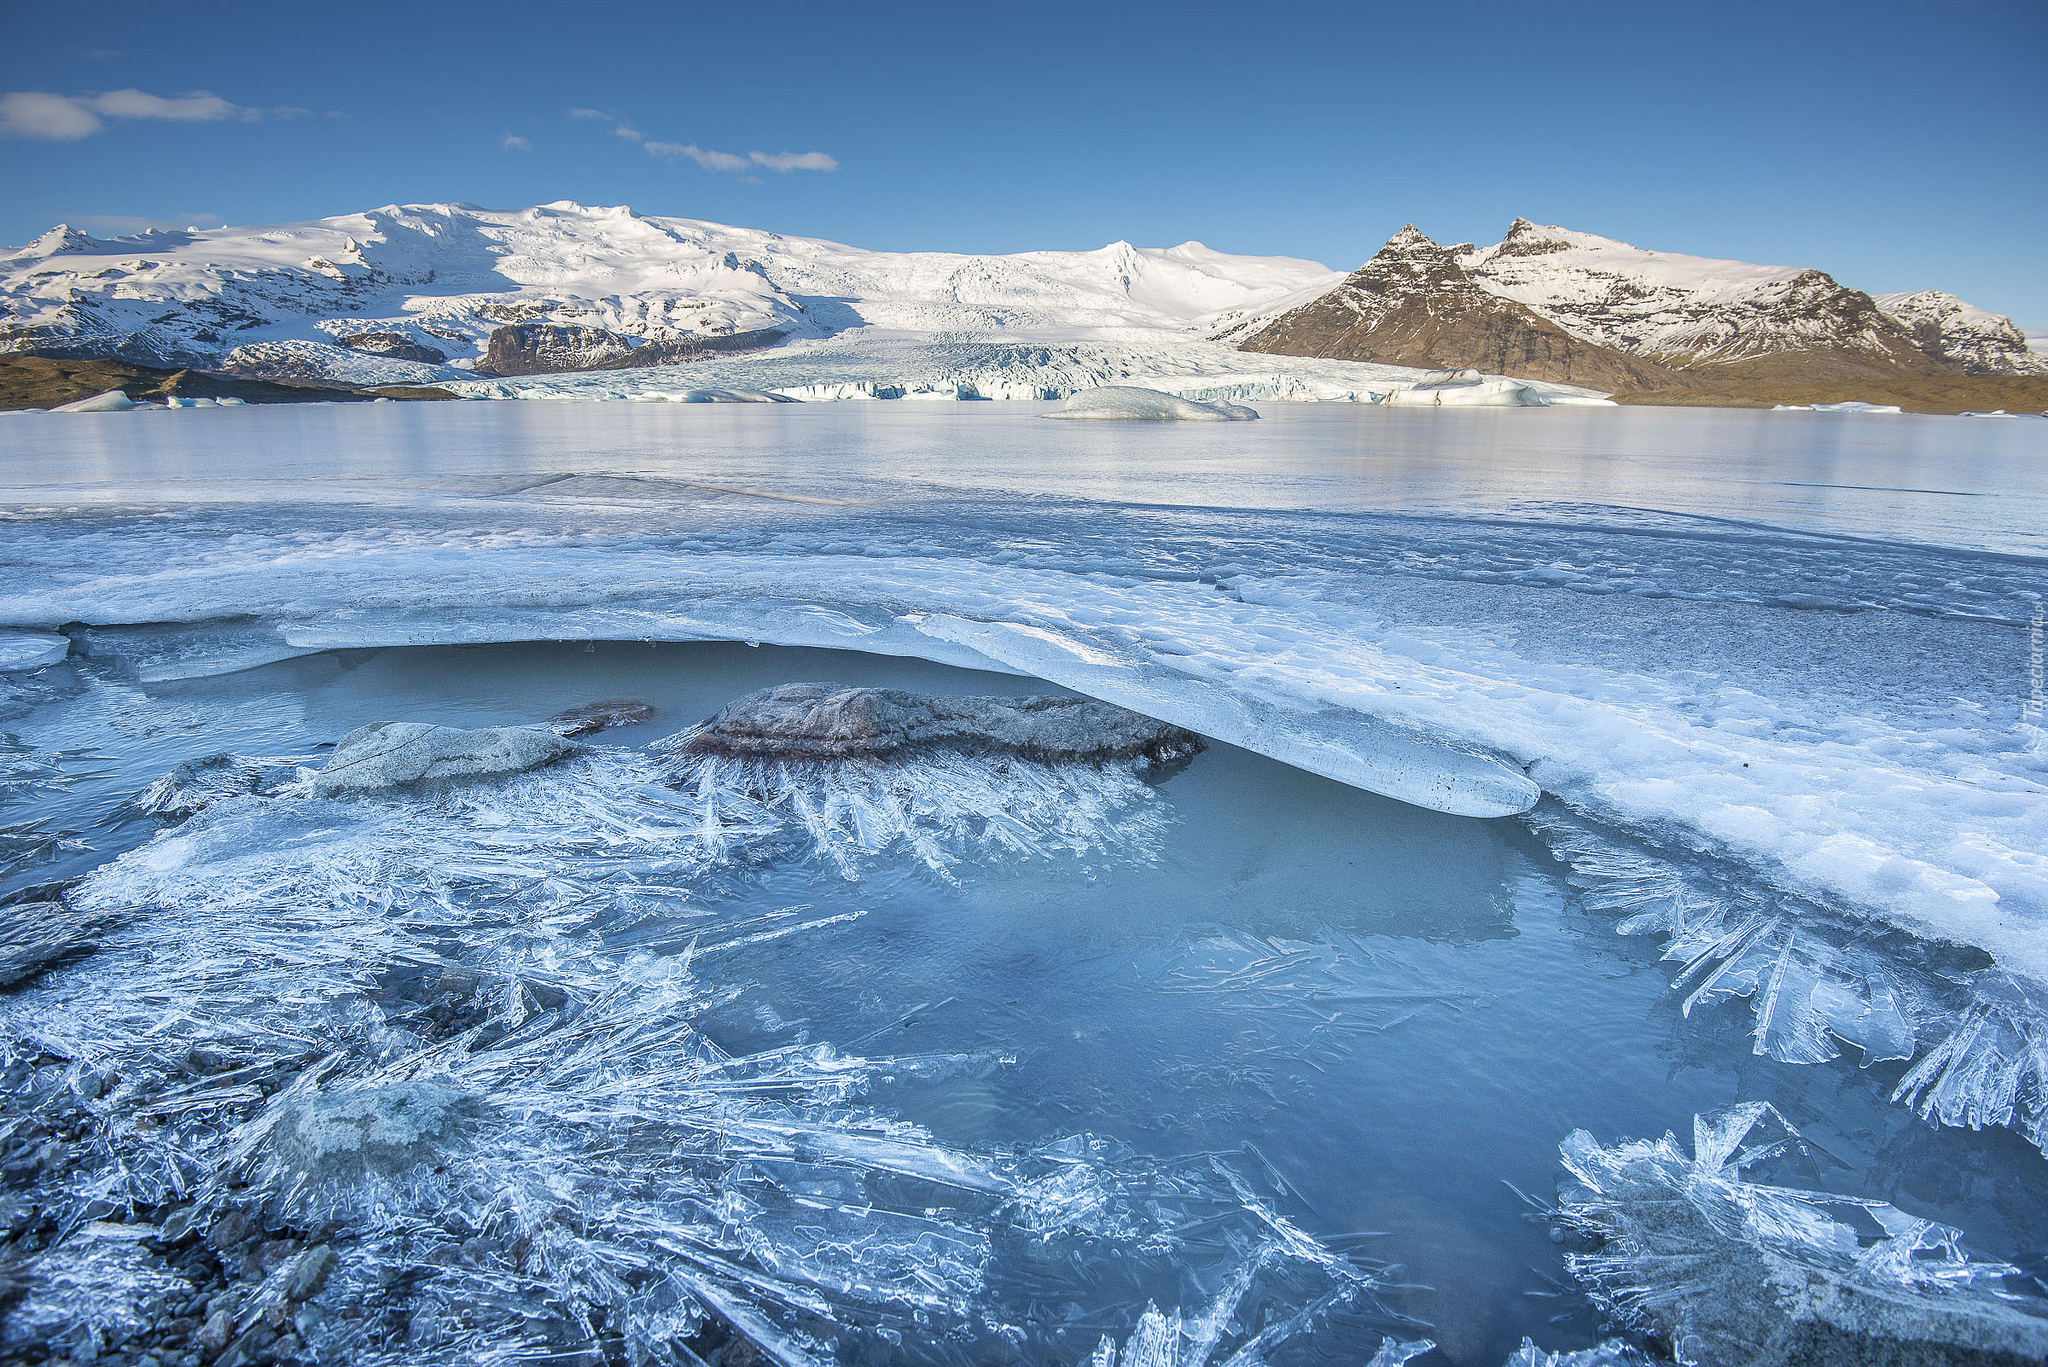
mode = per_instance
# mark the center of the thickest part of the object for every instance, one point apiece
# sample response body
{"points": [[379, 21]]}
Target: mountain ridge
{"points": [[1671, 314], [435, 293]]}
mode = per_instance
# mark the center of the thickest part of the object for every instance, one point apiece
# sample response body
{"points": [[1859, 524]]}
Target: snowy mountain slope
{"points": [[1691, 310], [416, 292], [1560, 305], [1981, 342], [1414, 304]]}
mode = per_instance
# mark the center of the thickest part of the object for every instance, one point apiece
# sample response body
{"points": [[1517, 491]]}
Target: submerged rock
{"points": [[382, 1131], [819, 721], [39, 935], [393, 754], [601, 716]]}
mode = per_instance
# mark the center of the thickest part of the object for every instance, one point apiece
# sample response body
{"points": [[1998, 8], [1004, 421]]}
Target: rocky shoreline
{"points": [[36, 381]]}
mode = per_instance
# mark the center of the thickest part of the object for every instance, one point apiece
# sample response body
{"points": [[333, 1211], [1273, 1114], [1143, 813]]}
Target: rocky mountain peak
{"points": [[60, 239], [1530, 239], [1414, 304]]}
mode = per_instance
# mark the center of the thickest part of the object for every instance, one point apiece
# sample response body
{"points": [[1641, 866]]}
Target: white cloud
{"points": [[724, 163], [514, 143], [732, 161], [49, 117], [53, 118], [795, 161], [704, 157]]}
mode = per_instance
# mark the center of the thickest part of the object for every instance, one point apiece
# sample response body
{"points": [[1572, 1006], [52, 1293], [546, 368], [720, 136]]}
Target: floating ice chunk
{"points": [[1857, 406], [1727, 1269], [1128, 404], [113, 401], [392, 754], [590, 718], [24, 650], [1466, 389]]}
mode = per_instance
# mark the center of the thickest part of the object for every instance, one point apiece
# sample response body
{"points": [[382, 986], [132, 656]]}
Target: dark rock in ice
{"points": [[819, 721], [394, 754], [39, 935], [593, 717], [1837, 1323], [310, 1273], [342, 1135], [395, 345]]}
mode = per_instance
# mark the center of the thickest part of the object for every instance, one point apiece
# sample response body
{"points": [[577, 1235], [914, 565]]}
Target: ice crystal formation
{"points": [[1732, 1271]]}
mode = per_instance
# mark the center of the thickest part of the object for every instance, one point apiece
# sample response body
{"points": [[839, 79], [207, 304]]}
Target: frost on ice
{"points": [[1978, 1037], [1731, 1270], [460, 1026]]}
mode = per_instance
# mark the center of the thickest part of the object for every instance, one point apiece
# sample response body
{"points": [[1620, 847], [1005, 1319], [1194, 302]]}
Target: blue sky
{"points": [[1897, 146]]}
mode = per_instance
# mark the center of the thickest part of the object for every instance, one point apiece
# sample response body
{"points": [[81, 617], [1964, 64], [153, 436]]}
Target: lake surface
{"points": [[1780, 655]]}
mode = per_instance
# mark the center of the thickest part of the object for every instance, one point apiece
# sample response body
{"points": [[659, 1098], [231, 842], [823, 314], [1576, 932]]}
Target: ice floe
{"points": [[24, 650]]}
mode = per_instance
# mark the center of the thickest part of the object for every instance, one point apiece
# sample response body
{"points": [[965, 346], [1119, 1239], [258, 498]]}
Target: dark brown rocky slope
{"points": [[46, 381], [1414, 305]]}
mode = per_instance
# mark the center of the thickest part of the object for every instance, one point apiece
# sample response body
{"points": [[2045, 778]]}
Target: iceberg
{"points": [[1464, 389], [113, 401], [1123, 403]]}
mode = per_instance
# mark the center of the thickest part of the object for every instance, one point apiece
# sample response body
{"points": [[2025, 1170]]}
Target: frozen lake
{"points": [[1747, 687]]}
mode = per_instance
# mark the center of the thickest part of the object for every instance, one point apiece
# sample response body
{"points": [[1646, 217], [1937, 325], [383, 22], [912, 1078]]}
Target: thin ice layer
{"points": [[1977, 1038], [462, 1026]]}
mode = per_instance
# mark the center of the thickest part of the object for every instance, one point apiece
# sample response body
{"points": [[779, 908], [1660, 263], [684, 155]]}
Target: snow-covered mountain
{"points": [[1662, 308], [452, 294], [1415, 304], [408, 292], [1981, 342]]}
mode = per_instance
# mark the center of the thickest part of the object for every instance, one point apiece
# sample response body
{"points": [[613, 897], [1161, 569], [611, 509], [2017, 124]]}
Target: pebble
{"points": [[310, 1273]]}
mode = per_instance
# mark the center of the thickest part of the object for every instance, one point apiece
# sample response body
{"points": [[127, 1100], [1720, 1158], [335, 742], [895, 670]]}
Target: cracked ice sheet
{"points": [[1317, 684], [1381, 649]]}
